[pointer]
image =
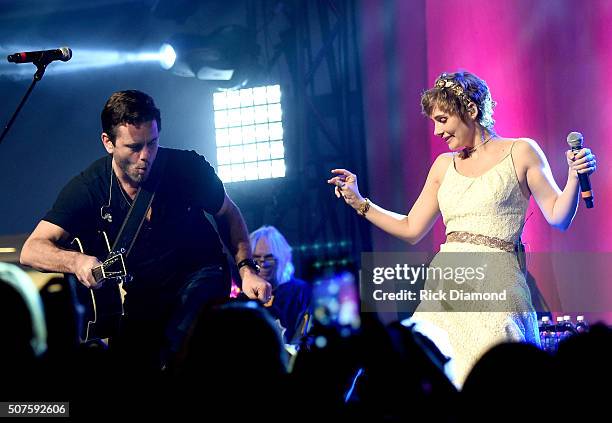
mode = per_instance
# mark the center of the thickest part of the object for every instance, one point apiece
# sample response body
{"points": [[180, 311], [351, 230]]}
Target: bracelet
{"points": [[364, 207], [249, 262]]}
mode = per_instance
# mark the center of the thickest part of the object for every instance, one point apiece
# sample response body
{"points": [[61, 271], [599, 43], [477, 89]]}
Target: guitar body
{"points": [[103, 306], [102, 311]]}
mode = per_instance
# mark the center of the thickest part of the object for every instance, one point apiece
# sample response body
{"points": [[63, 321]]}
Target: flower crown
{"points": [[447, 81]]}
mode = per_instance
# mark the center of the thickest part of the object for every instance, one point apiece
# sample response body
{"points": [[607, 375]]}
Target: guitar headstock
{"points": [[112, 268]]}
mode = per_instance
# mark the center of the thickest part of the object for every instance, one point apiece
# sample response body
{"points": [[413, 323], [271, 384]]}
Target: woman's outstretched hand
{"points": [[346, 187]]}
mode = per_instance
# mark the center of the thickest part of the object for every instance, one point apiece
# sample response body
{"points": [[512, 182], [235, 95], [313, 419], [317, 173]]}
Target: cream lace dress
{"points": [[492, 205]]}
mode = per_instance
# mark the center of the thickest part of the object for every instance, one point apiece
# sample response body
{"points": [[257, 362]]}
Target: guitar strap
{"points": [[136, 215]]}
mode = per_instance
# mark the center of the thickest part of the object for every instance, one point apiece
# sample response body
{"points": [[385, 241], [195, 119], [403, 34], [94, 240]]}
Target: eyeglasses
{"points": [[265, 261]]}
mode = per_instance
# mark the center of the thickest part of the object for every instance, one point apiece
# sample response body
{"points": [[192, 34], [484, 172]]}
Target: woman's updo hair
{"points": [[456, 93]]}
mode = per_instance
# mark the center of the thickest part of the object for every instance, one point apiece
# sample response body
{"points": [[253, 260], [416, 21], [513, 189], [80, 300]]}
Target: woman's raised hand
{"points": [[346, 187]]}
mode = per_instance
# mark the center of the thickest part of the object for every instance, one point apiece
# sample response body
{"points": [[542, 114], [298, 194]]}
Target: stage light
{"points": [[227, 56], [321, 342], [328, 245], [167, 56], [249, 134]]}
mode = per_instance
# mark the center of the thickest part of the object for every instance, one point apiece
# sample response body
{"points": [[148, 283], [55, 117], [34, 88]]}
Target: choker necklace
{"points": [[469, 150]]}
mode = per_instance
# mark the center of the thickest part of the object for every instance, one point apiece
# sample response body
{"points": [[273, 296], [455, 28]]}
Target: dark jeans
{"points": [[208, 285], [153, 330]]}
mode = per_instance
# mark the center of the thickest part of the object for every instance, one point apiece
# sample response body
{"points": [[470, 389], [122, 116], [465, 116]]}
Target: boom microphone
{"points": [[41, 57]]}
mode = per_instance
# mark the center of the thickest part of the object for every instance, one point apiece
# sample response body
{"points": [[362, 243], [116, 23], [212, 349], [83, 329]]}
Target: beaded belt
{"points": [[477, 239]]}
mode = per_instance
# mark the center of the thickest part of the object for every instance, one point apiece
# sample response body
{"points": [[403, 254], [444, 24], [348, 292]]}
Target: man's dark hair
{"points": [[128, 107]]}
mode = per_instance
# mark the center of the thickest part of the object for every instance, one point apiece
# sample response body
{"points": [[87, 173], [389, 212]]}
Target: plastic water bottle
{"points": [[558, 333], [545, 332], [581, 325], [568, 327]]}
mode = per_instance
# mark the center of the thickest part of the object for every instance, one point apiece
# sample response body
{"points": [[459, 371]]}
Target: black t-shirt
{"points": [[177, 241]]}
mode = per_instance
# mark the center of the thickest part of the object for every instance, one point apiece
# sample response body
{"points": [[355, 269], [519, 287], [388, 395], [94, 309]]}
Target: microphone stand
{"points": [[40, 71]]}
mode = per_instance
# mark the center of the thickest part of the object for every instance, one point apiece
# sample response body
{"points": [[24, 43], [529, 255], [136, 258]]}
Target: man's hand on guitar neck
{"points": [[83, 265]]}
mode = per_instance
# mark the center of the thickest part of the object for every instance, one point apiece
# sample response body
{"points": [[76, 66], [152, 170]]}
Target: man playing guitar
{"points": [[176, 261]]}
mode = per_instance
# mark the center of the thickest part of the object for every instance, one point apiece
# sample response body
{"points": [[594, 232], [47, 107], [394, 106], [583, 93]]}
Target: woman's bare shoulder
{"points": [[440, 165], [443, 160], [527, 150], [505, 145]]}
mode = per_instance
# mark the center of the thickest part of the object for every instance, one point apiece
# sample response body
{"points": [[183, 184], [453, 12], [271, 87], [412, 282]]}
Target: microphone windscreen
{"points": [[574, 139], [66, 54]]}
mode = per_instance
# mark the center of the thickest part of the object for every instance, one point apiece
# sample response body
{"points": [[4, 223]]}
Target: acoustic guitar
{"points": [[103, 306]]}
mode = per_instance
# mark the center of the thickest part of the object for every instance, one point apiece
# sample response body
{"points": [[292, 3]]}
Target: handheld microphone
{"points": [[41, 57], [575, 140]]}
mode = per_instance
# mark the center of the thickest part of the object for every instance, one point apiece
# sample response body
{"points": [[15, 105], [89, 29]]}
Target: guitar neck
{"points": [[98, 273], [113, 266]]}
